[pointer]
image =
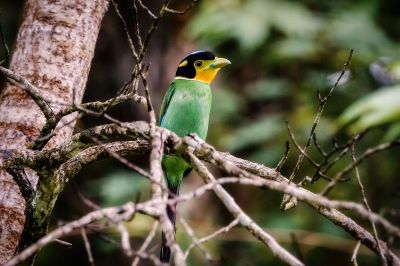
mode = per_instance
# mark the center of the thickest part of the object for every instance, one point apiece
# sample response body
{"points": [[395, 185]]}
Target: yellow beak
{"points": [[219, 62]]}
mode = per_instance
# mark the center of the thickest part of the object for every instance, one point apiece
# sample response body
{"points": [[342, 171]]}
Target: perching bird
{"points": [[186, 109]]}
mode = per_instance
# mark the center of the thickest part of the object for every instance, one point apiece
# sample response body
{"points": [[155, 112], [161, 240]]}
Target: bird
{"points": [[186, 109]]}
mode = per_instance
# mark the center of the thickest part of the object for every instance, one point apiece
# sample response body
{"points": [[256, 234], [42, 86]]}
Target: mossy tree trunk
{"points": [[54, 50]]}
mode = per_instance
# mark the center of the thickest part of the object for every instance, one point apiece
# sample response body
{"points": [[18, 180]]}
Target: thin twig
{"points": [[92, 205], [323, 101], [355, 252], [368, 153], [151, 30], [222, 230], [122, 159], [91, 108], [195, 240], [131, 45], [4, 43], [366, 204], [300, 149], [146, 243], [62, 242], [244, 219], [87, 246], [147, 9], [137, 32], [125, 242], [120, 213], [245, 173], [284, 158], [317, 145], [296, 247], [183, 12], [24, 185]]}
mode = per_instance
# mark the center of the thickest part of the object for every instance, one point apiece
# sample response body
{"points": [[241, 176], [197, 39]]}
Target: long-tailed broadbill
{"points": [[186, 109]]}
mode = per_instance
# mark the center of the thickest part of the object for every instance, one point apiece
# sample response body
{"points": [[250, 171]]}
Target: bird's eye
{"points": [[198, 63]]}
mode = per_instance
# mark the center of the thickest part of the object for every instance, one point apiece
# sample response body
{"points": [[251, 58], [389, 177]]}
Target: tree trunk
{"points": [[54, 49]]}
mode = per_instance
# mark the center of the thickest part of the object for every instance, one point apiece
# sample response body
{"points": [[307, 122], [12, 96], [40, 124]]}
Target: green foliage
{"points": [[282, 52], [382, 106], [356, 28], [292, 50], [249, 23]]}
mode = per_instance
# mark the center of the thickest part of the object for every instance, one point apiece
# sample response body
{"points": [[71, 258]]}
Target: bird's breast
{"points": [[188, 112]]}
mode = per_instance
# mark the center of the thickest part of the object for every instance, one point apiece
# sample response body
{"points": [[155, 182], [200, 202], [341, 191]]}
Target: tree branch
{"points": [[249, 173], [243, 218]]}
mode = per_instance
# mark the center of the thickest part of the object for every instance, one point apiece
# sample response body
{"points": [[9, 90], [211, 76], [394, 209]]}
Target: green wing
{"points": [[166, 101]]}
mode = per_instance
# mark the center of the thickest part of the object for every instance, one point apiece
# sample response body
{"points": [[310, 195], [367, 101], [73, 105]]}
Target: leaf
{"points": [[245, 23], [356, 29], [393, 132], [382, 106], [249, 23]]}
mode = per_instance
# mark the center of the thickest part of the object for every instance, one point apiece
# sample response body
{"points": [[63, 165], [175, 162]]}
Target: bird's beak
{"points": [[219, 62]]}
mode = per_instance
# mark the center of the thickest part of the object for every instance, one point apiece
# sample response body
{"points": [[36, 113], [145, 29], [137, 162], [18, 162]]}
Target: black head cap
{"points": [[188, 70]]}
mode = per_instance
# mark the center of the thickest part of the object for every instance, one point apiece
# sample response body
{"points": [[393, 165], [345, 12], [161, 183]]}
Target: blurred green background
{"points": [[282, 52]]}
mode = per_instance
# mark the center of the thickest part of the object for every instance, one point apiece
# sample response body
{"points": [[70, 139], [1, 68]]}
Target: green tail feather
{"points": [[174, 169]]}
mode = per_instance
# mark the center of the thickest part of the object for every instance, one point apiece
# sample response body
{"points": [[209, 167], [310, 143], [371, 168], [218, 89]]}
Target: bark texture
{"points": [[54, 49]]}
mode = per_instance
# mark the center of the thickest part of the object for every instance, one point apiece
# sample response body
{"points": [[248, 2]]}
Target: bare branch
{"points": [[115, 214], [296, 247], [335, 216], [183, 12], [87, 246], [147, 9], [222, 230], [300, 149], [195, 240], [328, 162], [354, 256], [23, 183], [318, 146], [249, 174], [99, 107], [62, 242], [137, 32], [131, 46], [92, 205], [151, 30], [284, 158], [368, 153], [146, 243], [125, 243], [243, 218], [121, 159], [323, 102], [365, 201], [4, 43]]}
